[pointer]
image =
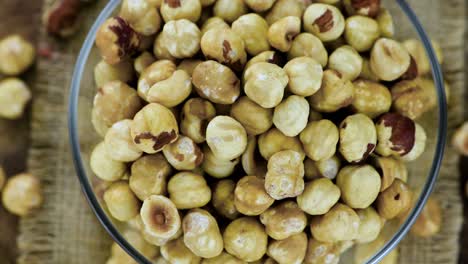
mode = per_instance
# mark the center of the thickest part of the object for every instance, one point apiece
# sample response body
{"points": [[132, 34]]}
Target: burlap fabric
{"points": [[66, 231]]}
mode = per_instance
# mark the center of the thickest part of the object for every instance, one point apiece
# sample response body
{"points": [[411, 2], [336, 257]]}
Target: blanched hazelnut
{"points": [[176, 251], [310, 170], [347, 61], [335, 93], [16, 55], [105, 72], [328, 168], [274, 141], [305, 75], [250, 163], [160, 216], [364, 8], [188, 65], [216, 82], [284, 8], [229, 10], [359, 185], [142, 16], [183, 154], [366, 72], [134, 238], [225, 46], [154, 73], [14, 96], [282, 32], [217, 167], [143, 61], [245, 238], [319, 196], [324, 21], [116, 40], [358, 138], [308, 45], [223, 258], [196, 114], [226, 137], [121, 202], [341, 223], [385, 20], [291, 115], [104, 167], [181, 9], [285, 175], [22, 194], [171, 91], [418, 53], [319, 139], [370, 225], [260, 5], [223, 199], [291, 250], [284, 220], [253, 30], [389, 59], [361, 32], [269, 56], [157, 240], [188, 190], [371, 98], [429, 221], [160, 50], [153, 128], [264, 83], [413, 98], [250, 196], [181, 38], [201, 234], [149, 176], [363, 252], [213, 22], [119, 143], [394, 200], [390, 169], [321, 253], [460, 139], [254, 118]]}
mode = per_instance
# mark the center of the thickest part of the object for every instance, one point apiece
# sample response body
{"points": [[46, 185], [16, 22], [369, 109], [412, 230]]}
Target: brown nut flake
{"points": [[396, 134]]}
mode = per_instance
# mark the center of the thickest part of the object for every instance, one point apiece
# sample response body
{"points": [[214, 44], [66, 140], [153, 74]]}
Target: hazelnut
{"points": [[196, 114], [390, 169], [188, 65], [319, 196], [395, 200], [264, 83], [144, 60], [418, 52], [305, 75], [176, 251], [250, 163], [181, 38], [171, 91], [201, 234], [324, 21], [104, 167], [291, 250], [361, 32], [429, 221], [284, 8], [364, 8], [385, 21], [213, 22], [217, 167], [142, 16], [245, 238], [341, 223], [363, 252], [149, 176], [22, 194], [358, 138], [160, 50], [460, 139], [116, 40], [160, 216], [335, 93], [359, 185], [146, 42], [250, 196], [366, 72], [153, 128], [183, 154], [274, 141], [226, 137], [134, 238], [16, 55], [370, 225], [371, 98], [389, 59], [119, 143], [154, 73], [229, 10], [223, 258], [216, 82], [254, 118], [105, 72], [253, 30], [159, 241], [308, 45], [181, 9], [188, 190], [123, 205], [310, 170], [14, 97], [269, 56], [347, 61], [224, 46], [319, 139], [285, 175], [282, 32], [260, 5], [321, 253], [328, 168], [291, 115], [2, 178], [413, 98], [284, 220], [223, 199]]}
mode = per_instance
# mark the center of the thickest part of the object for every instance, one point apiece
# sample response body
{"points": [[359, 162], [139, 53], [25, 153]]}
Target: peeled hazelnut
{"points": [[282, 32], [245, 238], [285, 175], [229, 10], [385, 20], [149, 176], [160, 49], [264, 83], [328, 168], [269, 56], [201, 234], [363, 252], [223, 258], [119, 256], [394, 200], [321, 253], [284, 8], [341, 223], [291, 115], [371, 98], [284, 220], [213, 22], [306, 44], [156, 240], [225, 46], [253, 29], [429, 221], [370, 225], [226, 137], [413, 98], [418, 52], [181, 38], [181, 9], [188, 190], [119, 143], [274, 141], [16, 55], [104, 167], [160, 216], [14, 97], [390, 169], [305, 75], [460, 139], [142, 16], [217, 167], [358, 138], [291, 250], [260, 5], [105, 72], [347, 61], [359, 185], [254, 118], [121, 202], [216, 82], [250, 196], [116, 40], [389, 59], [188, 65], [319, 196], [364, 8], [22, 194], [153, 128], [171, 91], [154, 73], [250, 163], [366, 72], [176, 251], [319, 139], [223, 199], [310, 170], [183, 154], [324, 21], [335, 93], [361, 32], [196, 114]]}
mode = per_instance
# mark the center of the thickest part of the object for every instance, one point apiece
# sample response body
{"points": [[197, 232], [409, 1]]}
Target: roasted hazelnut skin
{"points": [[160, 217], [321, 252], [363, 8], [291, 115], [183, 154], [149, 176], [359, 185], [389, 59], [255, 119], [196, 114], [226, 137], [282, 32], [285, 175], [188, 190], [319, 196], [224, 46], [413, 98], [154, 73], [104, 167], [394, 200], [358, 138], [274, 141], [347, 61], [105, 72], [253, 29], [429, 221], [22, 194], [324, 21], [121, 202], [291, 250], [306, 44], [228, 10], [176, 251], [341, 223], [245, 238], [223, 199], [16, 54], [14, 97], [216, 82], [119, 143], [335, 93], [319, 139], [284, 220], [223, 258], [216, 167], [284, 8], [370, 225], [361, 32], [181, 9], [250, 196], [390, 169], [371, 98], [305, 75], [116, 40], [201, 233], [142, 16], [181, 38]]}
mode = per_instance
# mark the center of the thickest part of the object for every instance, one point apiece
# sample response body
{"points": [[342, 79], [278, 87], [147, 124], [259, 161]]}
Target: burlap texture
{"points": [[66, 231]]}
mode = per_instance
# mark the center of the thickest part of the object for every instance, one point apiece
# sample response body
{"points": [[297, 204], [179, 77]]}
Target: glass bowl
{"points": [[422, 173]]}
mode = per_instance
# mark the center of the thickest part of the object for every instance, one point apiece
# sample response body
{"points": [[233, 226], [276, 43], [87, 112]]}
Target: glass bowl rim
{"points": [[117, 236]]}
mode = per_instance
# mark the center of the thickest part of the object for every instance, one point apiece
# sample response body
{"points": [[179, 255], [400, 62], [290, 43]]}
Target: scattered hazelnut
{"points": [[142, 16], [154, 73], [370, 225], [319, 139], [226, 137], [358, 138], [371, 98], [361, 32], [274, 141], [390, 169], [104, 167], [413, 98], [366, 72], [254, 118], [143, 61], [429, 221], [16, 55], [201, 234], [176, 251], [328, 168], [160, 216], [335, 93], [341, 223], [149, 176], [181, 38], [213, 22], [181, 9], [324, 21], [284, 8], [282, 32], [229, 10], [14, 97], [291, 115], [188, 190], [160, 50], [253, 29], [250, 163], [305, 75], [359, 185], [460, 139], [216, 167], [385, 21], [123, 205], [269, 56], [105, 72], [22, 194], [188, 65], [306, 44], [223, 258], [347, 61], [183, 154], [321, 253], [389, 59], [196, 114], [250, 196], [394, 200], [319, 196], [284, 220], [260, 5], [364, 8], [223, 199], [291, 250], [119, 143], [285, 175], [418, 52], [171, 91], [156, 240]]}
